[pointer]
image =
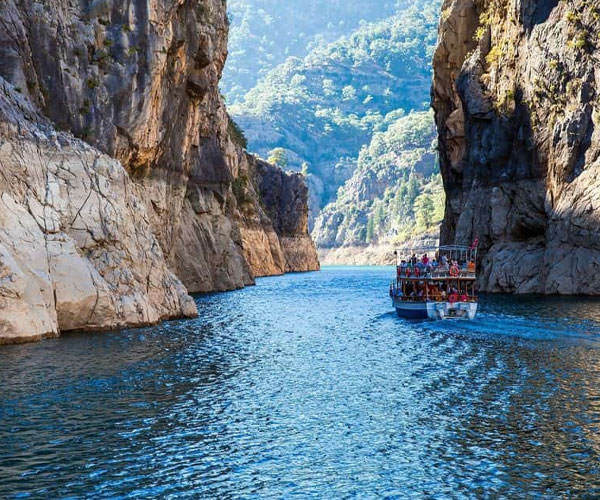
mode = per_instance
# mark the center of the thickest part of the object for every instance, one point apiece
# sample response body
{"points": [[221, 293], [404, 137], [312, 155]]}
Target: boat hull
{"points": [[435, 310]]}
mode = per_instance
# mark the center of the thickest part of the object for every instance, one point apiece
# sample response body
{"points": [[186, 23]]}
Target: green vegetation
{"points": [[324, 107], [85, 108], [479, 33], [572, 16], [493, 55], [264, 33], [395, 193], [339, 91], [278, 157], [236, 133], [239, 186], [579, 41]]}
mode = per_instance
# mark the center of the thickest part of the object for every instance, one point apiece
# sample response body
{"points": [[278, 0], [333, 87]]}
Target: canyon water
{"points": [[308, 385]]}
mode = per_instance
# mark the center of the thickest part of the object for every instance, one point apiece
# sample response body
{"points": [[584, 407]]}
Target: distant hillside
{"points": [[394, 193], [323, 108], [264, 33], [342, 114]]}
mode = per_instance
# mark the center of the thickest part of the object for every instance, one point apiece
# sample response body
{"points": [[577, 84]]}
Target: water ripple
{"points": [[308, 385]]}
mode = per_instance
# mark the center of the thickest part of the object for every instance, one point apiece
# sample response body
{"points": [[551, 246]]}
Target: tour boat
{"points": [[435, 282]]}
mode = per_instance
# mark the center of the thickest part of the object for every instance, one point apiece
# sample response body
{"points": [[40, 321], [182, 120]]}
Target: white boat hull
{"points": [[435, 310]]}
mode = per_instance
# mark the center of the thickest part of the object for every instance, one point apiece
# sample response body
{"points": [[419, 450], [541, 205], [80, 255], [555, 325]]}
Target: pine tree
{"points": [[278, 156], [379, 218], [412, 190], [370, 230], [424, 210]]}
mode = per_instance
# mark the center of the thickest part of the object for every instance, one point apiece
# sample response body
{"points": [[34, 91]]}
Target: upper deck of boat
{"points": [[433, 262]]}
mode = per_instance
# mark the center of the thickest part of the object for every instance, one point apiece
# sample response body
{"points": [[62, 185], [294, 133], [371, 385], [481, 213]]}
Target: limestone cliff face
{"points": [[76, 248], [517, 107], [115, 142]]}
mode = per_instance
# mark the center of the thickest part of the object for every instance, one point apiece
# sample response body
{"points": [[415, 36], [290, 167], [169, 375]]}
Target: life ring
{"points": [[454, 270], [453, 298]]}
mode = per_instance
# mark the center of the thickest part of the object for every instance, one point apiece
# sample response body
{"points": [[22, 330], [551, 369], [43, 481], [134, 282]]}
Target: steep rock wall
{"points": [[76, 247], [517, 107], [137, 84]]}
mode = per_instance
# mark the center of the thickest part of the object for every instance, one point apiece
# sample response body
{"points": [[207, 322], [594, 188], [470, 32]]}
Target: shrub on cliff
{"points": [[236, 133]]}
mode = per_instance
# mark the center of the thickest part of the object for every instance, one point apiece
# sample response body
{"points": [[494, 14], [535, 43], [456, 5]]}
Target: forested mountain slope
{"points": [[322, 109], [394, 193], [264, 33], [336, 112]]}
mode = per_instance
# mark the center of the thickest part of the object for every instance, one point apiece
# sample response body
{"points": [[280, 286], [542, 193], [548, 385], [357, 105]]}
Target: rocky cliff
{"points": [[123, 181], [517, 107]]}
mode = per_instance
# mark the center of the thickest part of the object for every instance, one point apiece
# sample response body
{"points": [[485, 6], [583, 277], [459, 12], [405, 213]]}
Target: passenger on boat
{"points": [[425, 260], [471, 267], [444, 261]]}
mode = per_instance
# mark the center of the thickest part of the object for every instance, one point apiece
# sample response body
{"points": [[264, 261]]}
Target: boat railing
{"points": [[466, 298], [441, 272], [428, 294], [439, 261], [434, 297]]}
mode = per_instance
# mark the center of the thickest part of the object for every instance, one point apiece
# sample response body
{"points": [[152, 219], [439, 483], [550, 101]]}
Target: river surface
{"points": [[309, 386]]}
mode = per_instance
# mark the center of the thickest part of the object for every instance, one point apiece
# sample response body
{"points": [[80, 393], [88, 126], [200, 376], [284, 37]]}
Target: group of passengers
{"points": [[441, 292], [427, 266]]}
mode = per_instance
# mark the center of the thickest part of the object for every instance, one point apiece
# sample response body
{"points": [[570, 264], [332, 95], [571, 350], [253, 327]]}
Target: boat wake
{"points": [[515, 327]]}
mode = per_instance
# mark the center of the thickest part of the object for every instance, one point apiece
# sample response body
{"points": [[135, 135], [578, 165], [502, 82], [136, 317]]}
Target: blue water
{"points": [[308, 385]]}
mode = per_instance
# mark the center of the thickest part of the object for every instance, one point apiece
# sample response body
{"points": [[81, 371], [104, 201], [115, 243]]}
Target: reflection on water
{"points": [[309, 385]]}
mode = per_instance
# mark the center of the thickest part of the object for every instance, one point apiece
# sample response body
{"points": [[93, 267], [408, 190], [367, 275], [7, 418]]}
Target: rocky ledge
{"points": [[517, 107], [124, 186]]}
